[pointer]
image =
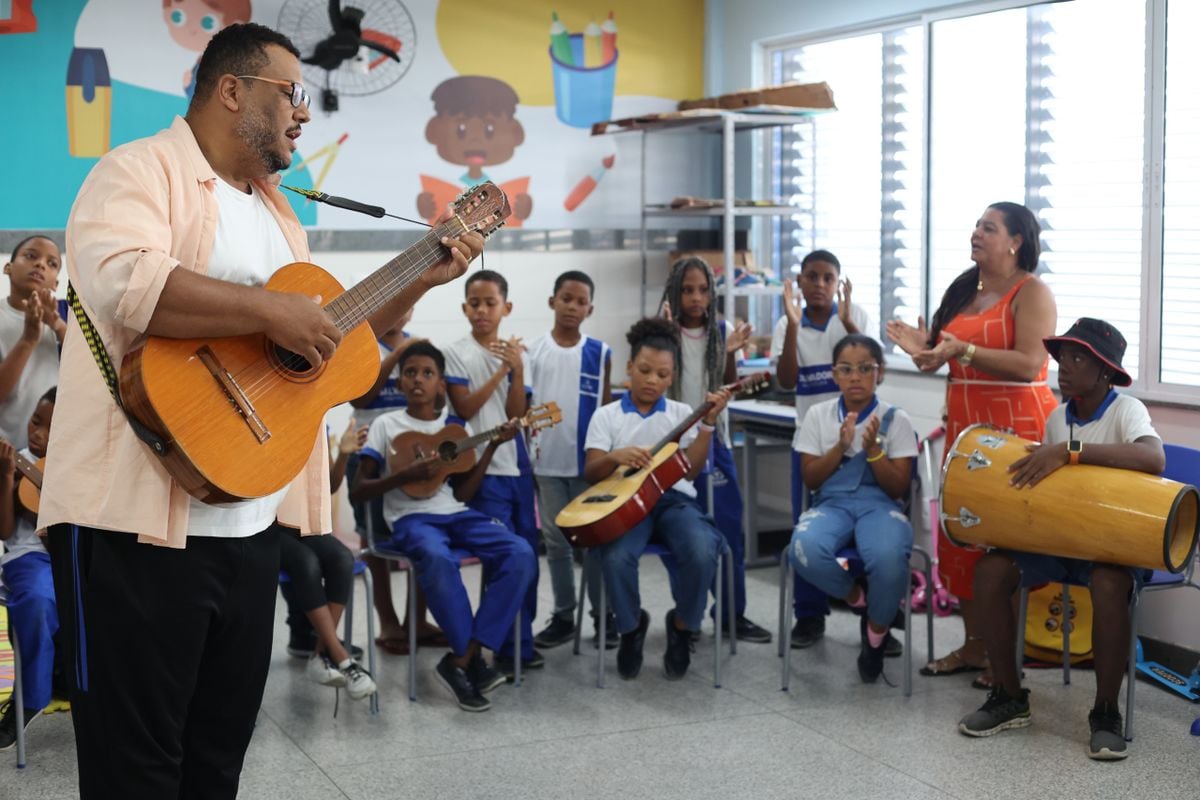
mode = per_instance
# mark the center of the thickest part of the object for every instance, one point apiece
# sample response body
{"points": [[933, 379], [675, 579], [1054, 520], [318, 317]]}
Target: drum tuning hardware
{"points": [[994, 442], [966, 518], [977, 460]]}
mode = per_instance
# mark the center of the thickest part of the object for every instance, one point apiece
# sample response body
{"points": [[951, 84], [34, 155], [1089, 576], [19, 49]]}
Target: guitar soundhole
{"points": [[601, 498], [290, 362], [447, 451]]}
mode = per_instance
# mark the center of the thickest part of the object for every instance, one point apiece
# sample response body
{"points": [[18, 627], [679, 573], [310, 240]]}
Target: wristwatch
{"points": [[1074, 451], [967, 355]]}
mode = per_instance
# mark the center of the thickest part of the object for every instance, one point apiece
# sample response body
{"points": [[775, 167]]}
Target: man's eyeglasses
{"points": [[297, 94], [846, 370]]}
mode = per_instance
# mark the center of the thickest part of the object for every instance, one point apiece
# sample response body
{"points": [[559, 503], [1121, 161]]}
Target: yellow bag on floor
{"points": [[1044, 620]]}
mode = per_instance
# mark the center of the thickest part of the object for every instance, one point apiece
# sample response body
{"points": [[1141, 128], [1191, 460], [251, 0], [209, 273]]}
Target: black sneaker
{"points": [[747, 631], [505, 664], [870, 659], [559, 631], [629, 656], [611, 637], [807, 631], [1108, 733], [999, 713], [679, 650], [8, 723], [483, 676], [892, 647], [468, 697]]}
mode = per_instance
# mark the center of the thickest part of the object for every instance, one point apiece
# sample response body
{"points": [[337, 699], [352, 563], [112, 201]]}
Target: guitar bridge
{"points": [[234, 394], [600, 498]]}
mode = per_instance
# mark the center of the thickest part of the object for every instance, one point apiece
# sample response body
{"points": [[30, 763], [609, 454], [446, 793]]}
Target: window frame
{"points": [[1149, 384]]}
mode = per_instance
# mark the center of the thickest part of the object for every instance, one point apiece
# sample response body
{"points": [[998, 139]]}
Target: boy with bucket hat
{"points": [[1098, 426]]}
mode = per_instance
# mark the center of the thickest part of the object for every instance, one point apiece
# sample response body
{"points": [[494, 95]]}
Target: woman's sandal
{"points": [[951, 664]]}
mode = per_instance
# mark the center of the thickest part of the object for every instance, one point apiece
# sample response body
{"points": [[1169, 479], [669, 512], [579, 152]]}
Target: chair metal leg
{"points": [[412, 633], [908, 642], [717, 623], [369, 590], [18, 695], [1131, 678], [579, 604], [731, 602], [929, 608], [1021, 613], [1066, 632], [787, 650], [602, 621], [782, 628], [517, 649], [347, 624]]}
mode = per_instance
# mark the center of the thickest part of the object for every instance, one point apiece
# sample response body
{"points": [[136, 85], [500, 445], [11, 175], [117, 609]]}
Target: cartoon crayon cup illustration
{"points": [[192, 23], [474, 125], [584, 83], [89, 103]]}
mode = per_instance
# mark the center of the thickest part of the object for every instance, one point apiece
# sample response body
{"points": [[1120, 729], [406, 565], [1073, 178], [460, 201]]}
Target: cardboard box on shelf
{"points": [[794, 95], [716, 258]]}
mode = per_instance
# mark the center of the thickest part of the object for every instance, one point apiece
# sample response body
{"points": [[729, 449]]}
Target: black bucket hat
{"points": [[1101, 339]]}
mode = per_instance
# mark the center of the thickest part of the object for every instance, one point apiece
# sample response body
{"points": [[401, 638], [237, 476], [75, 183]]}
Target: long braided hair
{"points": [[714, 349]]}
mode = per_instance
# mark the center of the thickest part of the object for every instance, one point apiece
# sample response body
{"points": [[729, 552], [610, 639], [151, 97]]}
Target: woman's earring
{"points": [[1012, 251]]}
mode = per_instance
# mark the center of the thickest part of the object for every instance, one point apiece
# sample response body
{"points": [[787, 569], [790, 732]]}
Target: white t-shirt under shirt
{"points": [[619, 424], [1121, 419], [248, 248], [24, 538], [821, 427], [384, 431], [694, 373], [572, 377], [40, 373], [469, 364], [814, 358]]}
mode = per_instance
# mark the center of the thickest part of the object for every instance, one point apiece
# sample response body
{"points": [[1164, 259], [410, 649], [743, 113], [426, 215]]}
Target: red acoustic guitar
{"points": [[240, 414], [614, 505], [453, 450]]}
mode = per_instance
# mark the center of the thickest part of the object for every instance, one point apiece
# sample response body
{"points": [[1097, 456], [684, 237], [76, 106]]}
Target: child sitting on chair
{"points": [[856, 457], [427, 529], [1095, 426], [620, 435]]}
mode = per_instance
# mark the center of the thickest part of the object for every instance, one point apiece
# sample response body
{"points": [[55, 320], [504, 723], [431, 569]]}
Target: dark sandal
{"points": [[951, 664]]}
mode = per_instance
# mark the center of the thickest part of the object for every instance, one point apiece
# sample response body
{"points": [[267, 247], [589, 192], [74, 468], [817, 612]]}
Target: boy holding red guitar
{"points": [[619, 436], [426, 530]]}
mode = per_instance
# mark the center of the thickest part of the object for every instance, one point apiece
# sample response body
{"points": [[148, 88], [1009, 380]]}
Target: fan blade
{"points": [[378, 48], [335, 15]]}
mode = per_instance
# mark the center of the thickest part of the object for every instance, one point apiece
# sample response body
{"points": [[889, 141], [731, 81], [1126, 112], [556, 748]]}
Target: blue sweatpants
{"points": [[509, 567], [881, 534], [33, 617], [727, 513], [510, 499], [808, 600], [693, 541]]}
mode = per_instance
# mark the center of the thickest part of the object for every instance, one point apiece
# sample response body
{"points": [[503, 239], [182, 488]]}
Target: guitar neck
{"points": [[30, 470], [383, 285], [472, 442], [679, 430]]}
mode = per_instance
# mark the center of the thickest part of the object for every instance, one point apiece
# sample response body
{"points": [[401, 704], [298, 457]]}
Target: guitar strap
{"points": [[109, 373]]}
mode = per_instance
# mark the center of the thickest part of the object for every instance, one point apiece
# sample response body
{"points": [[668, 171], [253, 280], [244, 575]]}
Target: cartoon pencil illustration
{"points": [[592, 56], [89, 103], [608, 39], [560, 40], [585, 186]]}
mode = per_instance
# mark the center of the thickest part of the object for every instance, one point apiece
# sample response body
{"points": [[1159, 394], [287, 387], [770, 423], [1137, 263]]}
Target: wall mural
{"points": [[413, 100]]}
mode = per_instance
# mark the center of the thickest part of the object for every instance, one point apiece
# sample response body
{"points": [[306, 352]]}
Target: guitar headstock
{"points": [[543, 416], [752, 383], [482, 208]]}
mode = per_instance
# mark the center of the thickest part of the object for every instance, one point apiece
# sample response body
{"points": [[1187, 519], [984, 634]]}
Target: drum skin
{"points": [[1104, 514]]}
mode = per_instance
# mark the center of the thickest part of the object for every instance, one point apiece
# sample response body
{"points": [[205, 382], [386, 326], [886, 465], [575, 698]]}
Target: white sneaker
{"points": [[357, 680], [321, 670]]}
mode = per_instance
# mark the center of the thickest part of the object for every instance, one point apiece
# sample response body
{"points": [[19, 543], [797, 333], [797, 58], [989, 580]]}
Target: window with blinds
{"points": [[855, 174]]}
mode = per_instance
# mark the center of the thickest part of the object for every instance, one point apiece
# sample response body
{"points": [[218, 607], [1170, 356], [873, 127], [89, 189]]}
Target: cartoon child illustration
{"points": [[474, 125], [192, 23]]}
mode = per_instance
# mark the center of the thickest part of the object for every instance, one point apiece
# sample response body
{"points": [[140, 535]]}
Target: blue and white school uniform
{"points": [[814, 384], [32, 613], [1120, 419], [506, 492], [573, 377], [390, 398], [676, 520], [426, 529], [851, 507], [728, 503]]}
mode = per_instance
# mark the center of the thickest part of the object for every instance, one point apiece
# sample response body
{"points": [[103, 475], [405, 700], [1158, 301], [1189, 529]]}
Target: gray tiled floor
{"points": [[558, 735]]}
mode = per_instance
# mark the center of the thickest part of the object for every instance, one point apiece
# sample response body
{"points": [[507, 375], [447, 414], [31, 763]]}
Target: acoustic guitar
{"points": [[453, 450], [29, 487], [239, 415], [608, 509]]}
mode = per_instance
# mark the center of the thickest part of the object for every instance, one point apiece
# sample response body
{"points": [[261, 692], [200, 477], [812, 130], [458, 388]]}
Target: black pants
{"points": [[167, 654], [320, 569]]}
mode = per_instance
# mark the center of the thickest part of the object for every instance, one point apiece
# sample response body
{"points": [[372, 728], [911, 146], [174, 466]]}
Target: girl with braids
{"points": [[989, 329], [708, 359], [620, 435]]}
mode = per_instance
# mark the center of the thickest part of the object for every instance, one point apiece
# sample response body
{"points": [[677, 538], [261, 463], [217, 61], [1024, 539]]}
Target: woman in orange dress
{"points": [[989, 330]]}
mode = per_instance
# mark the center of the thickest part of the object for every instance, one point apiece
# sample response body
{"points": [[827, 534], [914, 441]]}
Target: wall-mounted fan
{"points": [[350, 47]]}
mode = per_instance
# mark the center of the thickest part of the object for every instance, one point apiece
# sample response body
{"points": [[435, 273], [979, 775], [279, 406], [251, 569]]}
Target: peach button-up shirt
{"points": [[147, 207]]}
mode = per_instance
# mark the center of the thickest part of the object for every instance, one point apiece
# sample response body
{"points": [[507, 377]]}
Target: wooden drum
{"points": [[1113, 516]]}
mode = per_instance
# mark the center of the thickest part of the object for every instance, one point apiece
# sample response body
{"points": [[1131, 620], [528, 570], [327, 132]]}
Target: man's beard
{"points": [[254, 129]]}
